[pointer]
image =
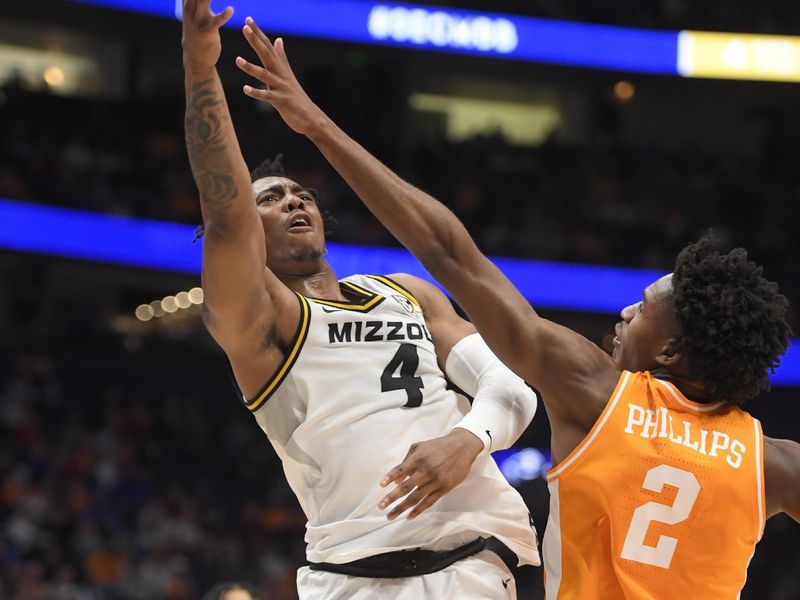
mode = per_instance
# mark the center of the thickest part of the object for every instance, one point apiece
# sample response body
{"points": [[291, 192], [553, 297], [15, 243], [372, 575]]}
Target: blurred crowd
{"points": [[127, 478], [128, 471], [603, 202]]}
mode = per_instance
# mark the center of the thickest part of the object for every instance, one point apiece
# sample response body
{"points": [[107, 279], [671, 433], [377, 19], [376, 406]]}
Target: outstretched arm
{"points": [[237, 296], [782, 477], [563, 365]]}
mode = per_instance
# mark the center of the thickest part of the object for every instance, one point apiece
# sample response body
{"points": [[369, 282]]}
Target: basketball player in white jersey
{"points": [[345, 376]]}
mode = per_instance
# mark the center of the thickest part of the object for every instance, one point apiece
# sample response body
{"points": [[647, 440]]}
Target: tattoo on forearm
{"points": [[206, 116]]}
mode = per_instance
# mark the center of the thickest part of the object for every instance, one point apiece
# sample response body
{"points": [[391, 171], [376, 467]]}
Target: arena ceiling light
{"points": [[60, 72], [521, 123], [168, 305]]}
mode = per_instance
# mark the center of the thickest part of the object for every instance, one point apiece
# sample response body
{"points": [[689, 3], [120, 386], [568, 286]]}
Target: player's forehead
{"points": [[276, 184], [660, 288]]}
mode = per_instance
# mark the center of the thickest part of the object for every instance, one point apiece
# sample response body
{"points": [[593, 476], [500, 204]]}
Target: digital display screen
{"points": [[513, 37], [457, 31], [739, 56]]}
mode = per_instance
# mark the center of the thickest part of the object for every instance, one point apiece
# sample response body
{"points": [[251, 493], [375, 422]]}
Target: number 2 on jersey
{"points": [[661, 554], [407, 359]]}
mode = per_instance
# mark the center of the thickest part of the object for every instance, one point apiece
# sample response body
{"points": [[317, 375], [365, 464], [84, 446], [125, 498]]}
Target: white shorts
{"points": [[480, 577]]}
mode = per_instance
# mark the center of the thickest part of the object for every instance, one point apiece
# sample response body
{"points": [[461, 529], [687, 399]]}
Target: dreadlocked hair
{"points": [[732, 320]]}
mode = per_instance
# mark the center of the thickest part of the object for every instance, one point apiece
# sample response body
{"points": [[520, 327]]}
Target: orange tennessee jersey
{"points": [[663, 499]]}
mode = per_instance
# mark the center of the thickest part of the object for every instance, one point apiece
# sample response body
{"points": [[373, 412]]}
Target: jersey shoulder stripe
{"points": [[389, 282], [366, 302], [283, 369]]}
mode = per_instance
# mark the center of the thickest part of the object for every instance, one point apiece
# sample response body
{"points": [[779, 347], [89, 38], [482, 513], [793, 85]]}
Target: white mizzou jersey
{"points": [[360, 384]]}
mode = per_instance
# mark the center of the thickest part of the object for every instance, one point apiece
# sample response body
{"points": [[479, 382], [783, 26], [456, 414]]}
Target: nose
{"points": [[291, 202], [628, 312]]}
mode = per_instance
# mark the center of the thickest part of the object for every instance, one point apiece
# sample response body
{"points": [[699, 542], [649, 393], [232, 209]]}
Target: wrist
{"points": [[319, 128], [470, 443], [198, 71]]}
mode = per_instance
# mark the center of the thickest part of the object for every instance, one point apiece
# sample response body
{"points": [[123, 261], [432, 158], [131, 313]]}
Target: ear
{"points": [[669, 356]]}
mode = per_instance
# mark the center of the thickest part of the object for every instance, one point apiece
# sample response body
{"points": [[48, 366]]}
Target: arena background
{"points": [[129, 470]]}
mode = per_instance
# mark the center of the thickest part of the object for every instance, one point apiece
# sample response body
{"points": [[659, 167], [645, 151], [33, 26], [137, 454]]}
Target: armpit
{"points": [[782, 477]]}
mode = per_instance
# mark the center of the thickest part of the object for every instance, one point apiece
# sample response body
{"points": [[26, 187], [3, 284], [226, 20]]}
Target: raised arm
{"points": [[782, 477], [563, 365], [241, 297]]}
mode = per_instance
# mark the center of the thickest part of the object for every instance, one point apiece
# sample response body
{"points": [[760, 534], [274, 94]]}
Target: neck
{"points": [[693, 389], [322, 283]]}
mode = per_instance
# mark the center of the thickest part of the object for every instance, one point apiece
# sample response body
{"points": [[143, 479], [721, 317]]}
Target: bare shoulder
{"points": [[782, 476], [435, 304], [424, 291], [446, 327]]}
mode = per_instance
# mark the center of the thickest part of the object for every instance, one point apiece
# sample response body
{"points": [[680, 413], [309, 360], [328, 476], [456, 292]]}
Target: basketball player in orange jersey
{"points": [[661, 483]]}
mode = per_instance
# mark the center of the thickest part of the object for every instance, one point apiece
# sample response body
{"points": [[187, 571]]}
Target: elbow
{"points": [[438, 264], [219, 225], [519, 398], [523, 402], [528, 403]]}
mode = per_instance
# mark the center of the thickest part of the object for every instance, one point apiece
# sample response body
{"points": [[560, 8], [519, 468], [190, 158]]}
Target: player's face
{"points": [[646, 328], [293, 227]]}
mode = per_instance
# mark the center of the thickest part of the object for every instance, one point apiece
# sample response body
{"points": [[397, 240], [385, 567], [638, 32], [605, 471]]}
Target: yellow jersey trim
{"points": [[368, 301], [396, 287], [288, 362]]}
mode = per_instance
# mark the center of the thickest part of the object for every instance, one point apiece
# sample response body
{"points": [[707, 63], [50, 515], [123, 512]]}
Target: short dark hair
{"points": [[219, 590], [273, 167], [268, 168], [732, 320]]}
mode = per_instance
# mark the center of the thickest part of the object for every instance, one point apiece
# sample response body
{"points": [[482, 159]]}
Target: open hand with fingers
{"points": [[282, 88], [430, 470], [201, 41]]}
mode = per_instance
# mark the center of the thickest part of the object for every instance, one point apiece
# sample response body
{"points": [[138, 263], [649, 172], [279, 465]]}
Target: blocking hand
{"points": [[282, 88]]}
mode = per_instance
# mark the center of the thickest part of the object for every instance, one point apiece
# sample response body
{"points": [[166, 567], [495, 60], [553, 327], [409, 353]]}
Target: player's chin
{"points": [[308, 252], [619, 357]]}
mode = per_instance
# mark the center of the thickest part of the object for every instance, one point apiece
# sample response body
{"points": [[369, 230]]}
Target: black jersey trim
{"points": [[368, 300]]}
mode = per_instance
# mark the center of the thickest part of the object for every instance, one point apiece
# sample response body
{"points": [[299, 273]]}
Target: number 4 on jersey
{"points": [[407, 359]]}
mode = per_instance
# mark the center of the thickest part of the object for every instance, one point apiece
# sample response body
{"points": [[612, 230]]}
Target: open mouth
{"points": [[300, 223]]}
